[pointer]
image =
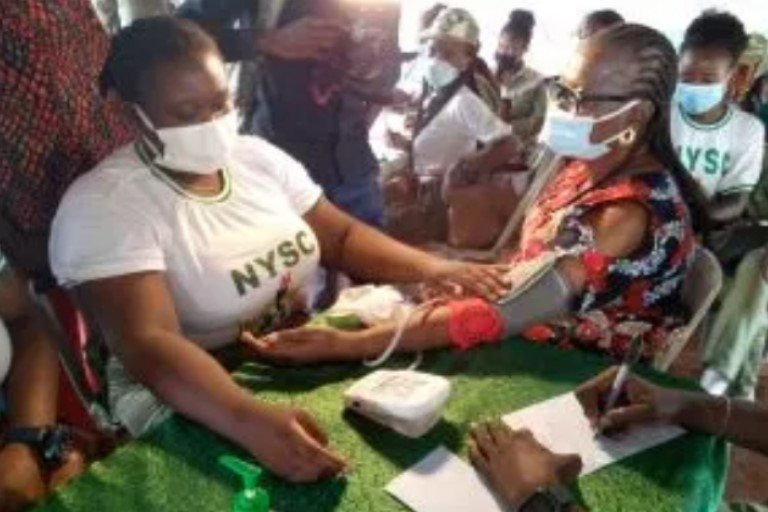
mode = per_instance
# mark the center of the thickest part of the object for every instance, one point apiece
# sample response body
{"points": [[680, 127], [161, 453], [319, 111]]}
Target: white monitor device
{"points": [[408, 402]]}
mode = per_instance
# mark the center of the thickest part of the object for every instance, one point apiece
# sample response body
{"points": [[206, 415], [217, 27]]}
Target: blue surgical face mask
{"points": [[697, 99], [439, 73], [570, 135]]}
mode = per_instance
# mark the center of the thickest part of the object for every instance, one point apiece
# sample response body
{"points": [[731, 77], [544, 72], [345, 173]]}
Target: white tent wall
{"points": [[134, 9], [557, 21], [116, 13]]}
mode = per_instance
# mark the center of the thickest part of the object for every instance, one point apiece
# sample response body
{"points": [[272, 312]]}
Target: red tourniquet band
{"points": [[474, 322]]}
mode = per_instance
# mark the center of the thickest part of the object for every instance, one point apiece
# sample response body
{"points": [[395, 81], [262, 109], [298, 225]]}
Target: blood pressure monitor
{"points": [[408, 402]]}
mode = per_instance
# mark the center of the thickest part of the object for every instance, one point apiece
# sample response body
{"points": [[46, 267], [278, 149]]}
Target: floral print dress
{"points": [[624, 297]]}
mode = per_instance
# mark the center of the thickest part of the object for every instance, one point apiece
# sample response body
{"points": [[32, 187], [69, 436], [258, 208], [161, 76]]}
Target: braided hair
{"points": [[138, 49], [597, 21], [656, 82]]}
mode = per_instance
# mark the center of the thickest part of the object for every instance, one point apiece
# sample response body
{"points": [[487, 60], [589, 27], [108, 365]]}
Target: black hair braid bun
{"points": [[522, 18], [521, 23]]}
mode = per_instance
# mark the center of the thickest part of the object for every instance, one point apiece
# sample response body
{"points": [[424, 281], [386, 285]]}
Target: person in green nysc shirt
{"points": [[720, 144]]}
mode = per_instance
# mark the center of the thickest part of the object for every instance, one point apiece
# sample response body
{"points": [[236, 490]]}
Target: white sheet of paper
{"points": [[442, 482], [561, 425]]}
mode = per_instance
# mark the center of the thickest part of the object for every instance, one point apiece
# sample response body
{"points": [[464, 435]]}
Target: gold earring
{"points": [[628, 137]]}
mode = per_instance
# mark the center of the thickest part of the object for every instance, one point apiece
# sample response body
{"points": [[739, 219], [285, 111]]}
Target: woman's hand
{"points": [[22, 481], [642, 402], [516, 465], [306, 345], [461, 278], [290, 443], [308, 38], [75, 463]]}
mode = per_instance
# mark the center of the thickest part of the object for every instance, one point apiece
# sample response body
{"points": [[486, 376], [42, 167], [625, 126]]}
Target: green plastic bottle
{"points": [[252, 498]]}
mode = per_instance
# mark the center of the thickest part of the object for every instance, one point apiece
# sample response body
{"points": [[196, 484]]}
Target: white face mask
{"points": [[439, 73], [203, 148], [570, 135]]}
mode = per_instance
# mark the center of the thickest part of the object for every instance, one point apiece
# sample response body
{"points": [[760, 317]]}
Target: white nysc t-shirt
{"points": [[228, 260], [455, 132], [726, 157]]}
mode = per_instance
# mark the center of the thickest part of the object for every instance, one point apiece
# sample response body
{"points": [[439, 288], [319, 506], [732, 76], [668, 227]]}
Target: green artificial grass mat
{"points": [[175, 467]]}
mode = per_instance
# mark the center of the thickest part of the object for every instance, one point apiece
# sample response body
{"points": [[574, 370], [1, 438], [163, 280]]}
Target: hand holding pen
{"points": [[615, 401]]}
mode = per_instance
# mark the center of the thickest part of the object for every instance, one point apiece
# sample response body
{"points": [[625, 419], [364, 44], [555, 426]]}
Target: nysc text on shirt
{"points": [[725, 157], [228, 260]]}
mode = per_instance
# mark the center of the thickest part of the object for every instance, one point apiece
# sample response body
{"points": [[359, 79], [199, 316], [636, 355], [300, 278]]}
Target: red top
{"points": [[54, 123], [624, 297]]}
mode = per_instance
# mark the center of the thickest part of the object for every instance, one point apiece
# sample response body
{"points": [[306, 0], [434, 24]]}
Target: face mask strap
{"points": [[156, 148], [627, 136], [616, 113]]}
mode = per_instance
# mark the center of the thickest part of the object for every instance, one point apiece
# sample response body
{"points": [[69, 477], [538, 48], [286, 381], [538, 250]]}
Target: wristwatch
{"points": [[552, 499], [50, 443]]}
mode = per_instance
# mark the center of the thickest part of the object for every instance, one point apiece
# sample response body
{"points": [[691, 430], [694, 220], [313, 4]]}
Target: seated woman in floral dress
{"points": [[605, 249]]}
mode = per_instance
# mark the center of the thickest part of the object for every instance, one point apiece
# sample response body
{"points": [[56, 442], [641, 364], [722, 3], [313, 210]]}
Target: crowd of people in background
{"points": [[196, 185]]}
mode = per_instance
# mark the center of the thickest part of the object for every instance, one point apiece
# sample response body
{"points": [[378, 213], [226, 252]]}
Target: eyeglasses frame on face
{"points": [[555, 85]]}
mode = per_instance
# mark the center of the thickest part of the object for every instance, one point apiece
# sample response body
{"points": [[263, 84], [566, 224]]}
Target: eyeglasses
{"points": [[570, 100]]}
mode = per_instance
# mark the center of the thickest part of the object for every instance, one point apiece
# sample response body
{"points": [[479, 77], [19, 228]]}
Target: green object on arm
{"points": [[252, 498], [342, 322]]}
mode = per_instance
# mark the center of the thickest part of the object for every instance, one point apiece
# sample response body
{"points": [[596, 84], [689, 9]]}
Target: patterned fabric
{"points": [[624, 297], [54, 124]]}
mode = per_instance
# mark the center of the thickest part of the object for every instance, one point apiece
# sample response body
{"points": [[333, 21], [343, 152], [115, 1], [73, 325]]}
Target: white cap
{"points": [[456, 24]]}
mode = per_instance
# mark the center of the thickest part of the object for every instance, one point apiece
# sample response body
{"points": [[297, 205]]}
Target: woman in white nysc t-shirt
{"points": [[176, 241]]}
